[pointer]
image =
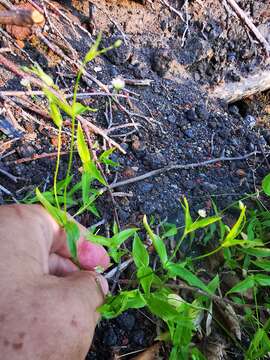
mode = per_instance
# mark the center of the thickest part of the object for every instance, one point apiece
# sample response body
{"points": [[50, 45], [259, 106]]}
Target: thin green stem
{"points": [[73, 124], [208, 254], [177, 247], [59, 143]]}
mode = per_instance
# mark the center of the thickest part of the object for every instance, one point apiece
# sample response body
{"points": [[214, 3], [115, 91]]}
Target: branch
{"points": [[21, 17], [234, 91], [250, 24], [179, 167]]}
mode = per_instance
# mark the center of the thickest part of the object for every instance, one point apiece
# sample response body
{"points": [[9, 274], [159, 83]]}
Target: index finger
{"points": [[89, 255]]}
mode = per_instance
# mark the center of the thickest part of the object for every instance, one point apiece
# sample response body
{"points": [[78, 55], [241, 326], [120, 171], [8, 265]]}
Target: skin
{"points": [[47, 306]]}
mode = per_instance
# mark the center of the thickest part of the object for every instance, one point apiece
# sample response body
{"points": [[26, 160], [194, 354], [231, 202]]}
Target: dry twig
{"points": [[180, 167], [250, 24], [21, 17]]}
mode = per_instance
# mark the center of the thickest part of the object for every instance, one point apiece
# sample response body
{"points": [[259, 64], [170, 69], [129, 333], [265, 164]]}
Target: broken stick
{"points": [[235, 91], [250, 24], [21, 17]]}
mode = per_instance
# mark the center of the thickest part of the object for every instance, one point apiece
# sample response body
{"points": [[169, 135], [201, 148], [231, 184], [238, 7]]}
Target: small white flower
{"points": [[118, 84], [25, 82], [202, 213]]}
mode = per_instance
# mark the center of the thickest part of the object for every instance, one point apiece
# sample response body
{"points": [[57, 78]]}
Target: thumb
{"points": [[89, 287], [68, 303]]}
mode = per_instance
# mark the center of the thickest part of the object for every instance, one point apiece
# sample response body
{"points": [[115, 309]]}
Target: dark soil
{"points": [[179, 122]]}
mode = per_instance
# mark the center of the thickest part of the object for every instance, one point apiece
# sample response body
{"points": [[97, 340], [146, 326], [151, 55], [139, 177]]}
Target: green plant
{"points": [[62, 194], [244, 246], [158, 290]]}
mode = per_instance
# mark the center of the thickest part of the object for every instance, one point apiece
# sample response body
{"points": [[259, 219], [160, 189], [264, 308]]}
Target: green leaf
{"points": [[200, 224], [86, 180], [61, 103], [188, 219], [243, 286], [213, 284], [79, 108], [56, 115], [186, 275], [172, 231], [263, 264], [139, 253], [157, 242], [237, 228], [93, 52], [115, 305], [116, 254], [115, 228], [97, 239], [145, 276], [104, 158], [119, 238], [266, 184], [73, 234], [262, 279], [91, 168], [37, 70], [57, 214], [259, 252], [82, 146], [160, 307]]}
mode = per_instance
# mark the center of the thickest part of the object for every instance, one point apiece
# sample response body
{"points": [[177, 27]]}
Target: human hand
{"points": [[47, 306]]}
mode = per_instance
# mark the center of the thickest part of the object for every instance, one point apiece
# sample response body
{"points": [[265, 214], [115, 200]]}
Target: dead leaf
{"points": [[215, 351], [149, 354], [232, 321]]}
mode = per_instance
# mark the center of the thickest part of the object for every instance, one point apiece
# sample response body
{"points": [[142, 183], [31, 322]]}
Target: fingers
{"points": [[90, 288], [89, 255], [60, 266], [92, 255]]}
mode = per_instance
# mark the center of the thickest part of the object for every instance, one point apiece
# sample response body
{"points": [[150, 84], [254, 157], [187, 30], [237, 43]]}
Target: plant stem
{"points": [[73, 122], [208, 254], [59, 143]]}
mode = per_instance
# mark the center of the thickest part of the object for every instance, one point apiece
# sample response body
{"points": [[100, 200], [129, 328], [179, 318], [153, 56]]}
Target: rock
{"points": [[240, 173], [124, 146], [234, 110], [154, 160], [195, 50], [126, 321], [189, 133], [110, 338], [160, 61], [231, 57], [249, 121], [25, 151], [202, 112], [128, 172], [172, 119], [124, 215], [138, 337], [146, 187], [120, 55], [209, 187], [191, 115], [163, 25], [137, 144]]}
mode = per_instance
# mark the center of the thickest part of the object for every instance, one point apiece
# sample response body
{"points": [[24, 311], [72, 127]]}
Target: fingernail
{"points": [[102, 284]]}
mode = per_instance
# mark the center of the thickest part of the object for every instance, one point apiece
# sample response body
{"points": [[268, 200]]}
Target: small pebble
{"points": [[138, 337], [126, 321], [110, 338]]}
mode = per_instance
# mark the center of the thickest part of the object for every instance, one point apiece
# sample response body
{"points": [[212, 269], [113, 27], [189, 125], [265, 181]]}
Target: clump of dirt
{"points": [[169, 120]]}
